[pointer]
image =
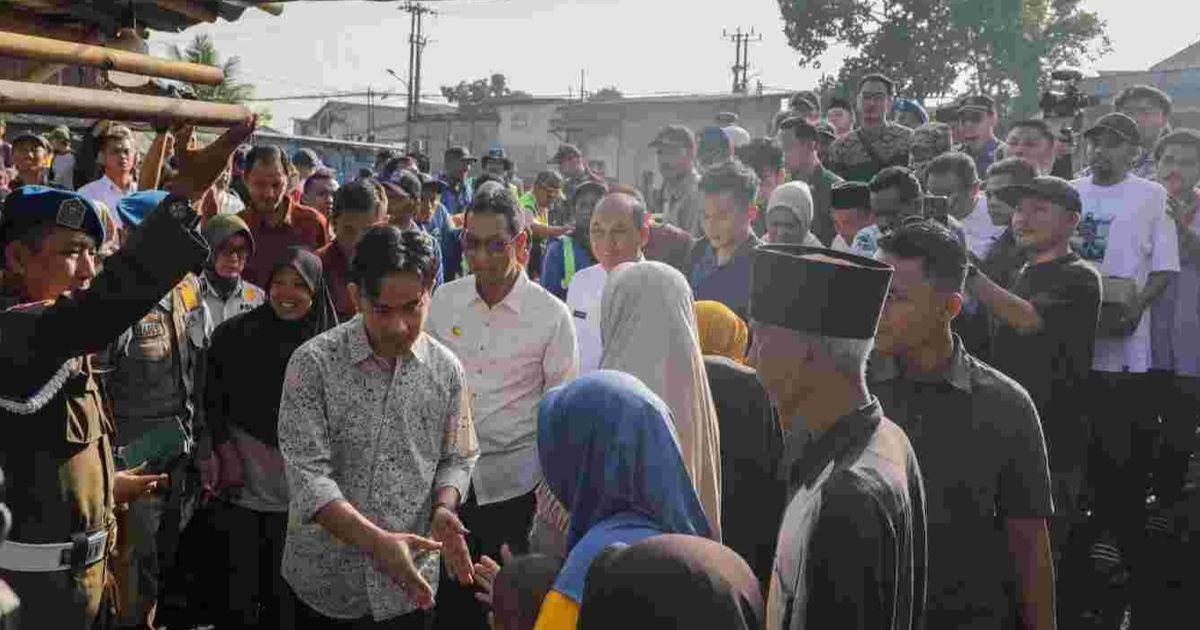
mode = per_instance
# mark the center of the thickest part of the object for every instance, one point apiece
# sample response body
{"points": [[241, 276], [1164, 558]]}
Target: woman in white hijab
{"points": [[648, 329], [790, 215]]}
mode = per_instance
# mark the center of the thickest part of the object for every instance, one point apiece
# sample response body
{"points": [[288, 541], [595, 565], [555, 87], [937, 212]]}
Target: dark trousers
{"points": [[301, 617], [254, 585], [491, 526], [1123, 426], [1179, 413]]}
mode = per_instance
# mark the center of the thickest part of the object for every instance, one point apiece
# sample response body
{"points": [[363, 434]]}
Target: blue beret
{"points": [[32, 206], [133, 208], [911, 106]]}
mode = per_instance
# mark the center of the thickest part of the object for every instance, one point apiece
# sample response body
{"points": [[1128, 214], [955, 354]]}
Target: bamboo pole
{"points": [[30, 98], [53, 50]]}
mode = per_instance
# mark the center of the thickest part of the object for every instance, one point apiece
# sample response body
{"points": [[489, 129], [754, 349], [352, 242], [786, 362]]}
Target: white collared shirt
{"points": [[105, 191], [583, 298], [513, 353], [981, 232]]}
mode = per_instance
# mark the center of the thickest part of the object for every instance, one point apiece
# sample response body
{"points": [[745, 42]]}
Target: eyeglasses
{"points": [[240, 252], [494, 246]]}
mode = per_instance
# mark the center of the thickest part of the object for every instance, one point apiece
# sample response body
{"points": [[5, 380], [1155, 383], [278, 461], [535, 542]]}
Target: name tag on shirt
{"points": [[579, 315]]}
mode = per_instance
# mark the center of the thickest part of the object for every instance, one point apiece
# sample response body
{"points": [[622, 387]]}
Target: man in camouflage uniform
{"points": [[57, 449], [876, 143]]}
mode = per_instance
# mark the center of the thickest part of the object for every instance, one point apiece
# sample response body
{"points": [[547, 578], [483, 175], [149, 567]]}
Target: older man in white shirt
{"points": [[619, 230], [516, 342]]}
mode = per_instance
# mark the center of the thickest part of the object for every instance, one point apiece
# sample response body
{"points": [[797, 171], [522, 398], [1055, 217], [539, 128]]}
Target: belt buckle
{"points": [[83, 549], [76, 557]]}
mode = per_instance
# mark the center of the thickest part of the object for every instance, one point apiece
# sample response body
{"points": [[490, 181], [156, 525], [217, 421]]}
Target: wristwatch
{"points": [[181, 209]]}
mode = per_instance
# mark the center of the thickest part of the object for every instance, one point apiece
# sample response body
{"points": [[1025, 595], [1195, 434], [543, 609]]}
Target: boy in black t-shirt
{"points": [[1046, 323]]}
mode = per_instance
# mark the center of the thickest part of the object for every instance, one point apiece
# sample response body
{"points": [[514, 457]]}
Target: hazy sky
{"points": [[640, 46]]}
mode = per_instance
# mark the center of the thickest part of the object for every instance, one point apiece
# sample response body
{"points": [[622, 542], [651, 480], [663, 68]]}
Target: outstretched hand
{"points": [[393, 556], [199, 168], [486, 571]]}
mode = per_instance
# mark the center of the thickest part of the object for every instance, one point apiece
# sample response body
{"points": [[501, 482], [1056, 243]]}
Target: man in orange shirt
{"points": [[276, 221]]}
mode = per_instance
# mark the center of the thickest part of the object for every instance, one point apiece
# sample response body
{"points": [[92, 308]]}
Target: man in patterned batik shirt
{"points": [[375, 427]]}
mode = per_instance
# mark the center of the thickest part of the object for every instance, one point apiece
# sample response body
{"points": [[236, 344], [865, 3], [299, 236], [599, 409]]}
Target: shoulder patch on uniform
{"points": [[250, 293], [187, 292]]}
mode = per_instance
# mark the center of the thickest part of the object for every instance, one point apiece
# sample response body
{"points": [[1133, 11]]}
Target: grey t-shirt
{"points": [[265, 488]]}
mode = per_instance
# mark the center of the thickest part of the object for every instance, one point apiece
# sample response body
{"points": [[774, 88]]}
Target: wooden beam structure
{"points": [[57, 100], [195, 11], [56, 51]]}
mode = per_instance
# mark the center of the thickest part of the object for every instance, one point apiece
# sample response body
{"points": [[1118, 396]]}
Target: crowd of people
{"points": [[870, 371]]}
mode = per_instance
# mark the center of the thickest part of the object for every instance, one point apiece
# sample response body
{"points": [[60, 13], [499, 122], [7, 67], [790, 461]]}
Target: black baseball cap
{"points": [[1120, 124], [839, 103], [675, 136], [404, 183], [565, 151], [429, 181], [808, 99], [463, 154], [1053, 189], [801, 127], [978, 103], [850, 196], [32, 137]]}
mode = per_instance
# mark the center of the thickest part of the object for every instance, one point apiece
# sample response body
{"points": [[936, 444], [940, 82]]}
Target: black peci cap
{"points": [[817, 290]]}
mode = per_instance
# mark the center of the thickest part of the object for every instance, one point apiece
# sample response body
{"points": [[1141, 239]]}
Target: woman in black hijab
{"points": [[245, 370], [671, 581]]}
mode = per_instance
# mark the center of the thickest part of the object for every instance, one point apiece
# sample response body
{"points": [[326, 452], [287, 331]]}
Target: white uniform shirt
{"points": [[583, 298], [981, 232]]}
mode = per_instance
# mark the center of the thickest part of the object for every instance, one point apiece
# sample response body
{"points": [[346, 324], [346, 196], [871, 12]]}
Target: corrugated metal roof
{"points": [[159, 15]]}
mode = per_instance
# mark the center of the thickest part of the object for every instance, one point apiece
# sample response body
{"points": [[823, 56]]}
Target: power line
{"points": [[741, 64]]}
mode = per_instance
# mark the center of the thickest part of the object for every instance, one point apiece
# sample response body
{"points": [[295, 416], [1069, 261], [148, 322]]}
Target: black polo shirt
{"points": [[983, 458], [851, 549], [1053, 363]]}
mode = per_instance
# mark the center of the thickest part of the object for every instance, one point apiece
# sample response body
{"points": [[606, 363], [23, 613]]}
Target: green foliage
{"points": [[1002, 46], [609, 93], [478, 91], [203, 50]]}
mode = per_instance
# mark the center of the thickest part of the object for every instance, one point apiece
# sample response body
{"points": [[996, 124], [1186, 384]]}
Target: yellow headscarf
{"points": [[722, 332]]}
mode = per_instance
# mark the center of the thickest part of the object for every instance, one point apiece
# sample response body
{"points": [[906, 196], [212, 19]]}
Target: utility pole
{"points": [[370, 114], [416, 46], [582, 92], [741, 62]]}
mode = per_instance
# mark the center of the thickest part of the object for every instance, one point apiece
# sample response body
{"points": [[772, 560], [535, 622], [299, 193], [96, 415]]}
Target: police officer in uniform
{"points": [[57, 451], [227, 296], [151, 384]]}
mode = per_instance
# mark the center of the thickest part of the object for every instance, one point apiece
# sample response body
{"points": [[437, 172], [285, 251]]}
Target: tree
{"points": [[478, 91], [609, 93], [202, 50], [926, 45]]}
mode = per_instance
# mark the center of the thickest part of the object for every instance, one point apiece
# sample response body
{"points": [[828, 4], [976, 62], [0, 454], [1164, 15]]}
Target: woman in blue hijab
{"points": [[610, 455]]}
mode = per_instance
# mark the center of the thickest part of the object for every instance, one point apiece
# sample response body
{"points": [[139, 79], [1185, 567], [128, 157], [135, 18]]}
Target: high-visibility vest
{"points": [[568, 261]]}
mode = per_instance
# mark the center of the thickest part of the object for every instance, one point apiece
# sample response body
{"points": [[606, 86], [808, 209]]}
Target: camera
{"points": [[1064, 99], [937, 208]]}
